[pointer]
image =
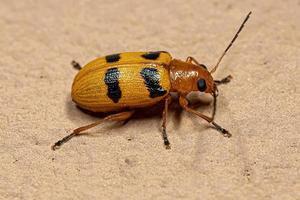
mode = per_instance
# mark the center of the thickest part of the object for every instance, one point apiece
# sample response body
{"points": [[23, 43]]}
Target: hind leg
{"points": [[114, 117]]}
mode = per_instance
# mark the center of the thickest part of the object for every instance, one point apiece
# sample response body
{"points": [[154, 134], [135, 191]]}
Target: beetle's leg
{"points": [[184, 103], [114, 117], [164, 124], [225, 80], [76, 65], [191, 60]]}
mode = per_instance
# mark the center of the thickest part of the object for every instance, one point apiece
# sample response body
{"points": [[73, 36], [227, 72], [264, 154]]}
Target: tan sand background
{"points": [[260, 106]]}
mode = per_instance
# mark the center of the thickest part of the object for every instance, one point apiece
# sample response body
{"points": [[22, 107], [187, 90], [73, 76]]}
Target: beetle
{"points": [[122, 83]]}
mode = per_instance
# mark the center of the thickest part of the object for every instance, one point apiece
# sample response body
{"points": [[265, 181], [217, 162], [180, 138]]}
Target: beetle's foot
{"points": [[224, 132], [62, 141], [55, 146], [225, 80], [76, 65], [165, 138], [167, 144]]}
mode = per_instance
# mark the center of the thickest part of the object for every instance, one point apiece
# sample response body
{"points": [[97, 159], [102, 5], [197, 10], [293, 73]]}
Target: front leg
{"points": [[184, 104], [225, 80]]}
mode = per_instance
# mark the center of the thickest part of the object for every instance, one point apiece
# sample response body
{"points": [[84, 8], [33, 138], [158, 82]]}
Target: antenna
{"points": [[230, 44]]}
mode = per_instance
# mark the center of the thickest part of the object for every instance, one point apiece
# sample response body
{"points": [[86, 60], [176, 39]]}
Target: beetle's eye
{"points": [[201, 85]]}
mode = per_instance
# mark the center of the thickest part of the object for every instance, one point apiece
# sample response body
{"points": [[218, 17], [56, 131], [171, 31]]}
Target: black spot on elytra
{"points": [[111, 79], [151, 79], [151, 55], [112, 58]]}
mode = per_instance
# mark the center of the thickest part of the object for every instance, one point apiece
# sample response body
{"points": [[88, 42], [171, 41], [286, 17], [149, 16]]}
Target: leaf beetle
{"points": [[122, 83]]}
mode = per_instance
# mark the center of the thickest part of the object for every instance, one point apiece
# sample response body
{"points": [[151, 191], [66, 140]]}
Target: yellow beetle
{"points": [[123, 82]]}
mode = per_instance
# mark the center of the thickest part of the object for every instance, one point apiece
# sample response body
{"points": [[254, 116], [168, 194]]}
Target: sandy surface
{"points": [[260, 106]]}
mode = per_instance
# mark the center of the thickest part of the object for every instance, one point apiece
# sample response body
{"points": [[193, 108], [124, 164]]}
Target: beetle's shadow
{"points": [[76, 113]]}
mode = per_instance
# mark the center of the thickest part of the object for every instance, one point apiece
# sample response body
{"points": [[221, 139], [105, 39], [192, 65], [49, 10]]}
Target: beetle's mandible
{"points": [[122, 83]]}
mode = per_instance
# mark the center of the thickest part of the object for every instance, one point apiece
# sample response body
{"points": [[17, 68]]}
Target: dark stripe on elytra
{"points": [[111, 79], [112, 58], [151, 79], [151, 55]]}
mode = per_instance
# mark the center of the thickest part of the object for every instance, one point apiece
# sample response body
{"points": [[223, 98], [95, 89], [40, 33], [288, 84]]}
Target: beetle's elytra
{"points": [[123, 82]]}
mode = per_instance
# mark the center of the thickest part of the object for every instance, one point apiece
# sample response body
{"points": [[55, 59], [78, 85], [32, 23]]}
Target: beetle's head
{"points": [[204, 81], [187, 77]]}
